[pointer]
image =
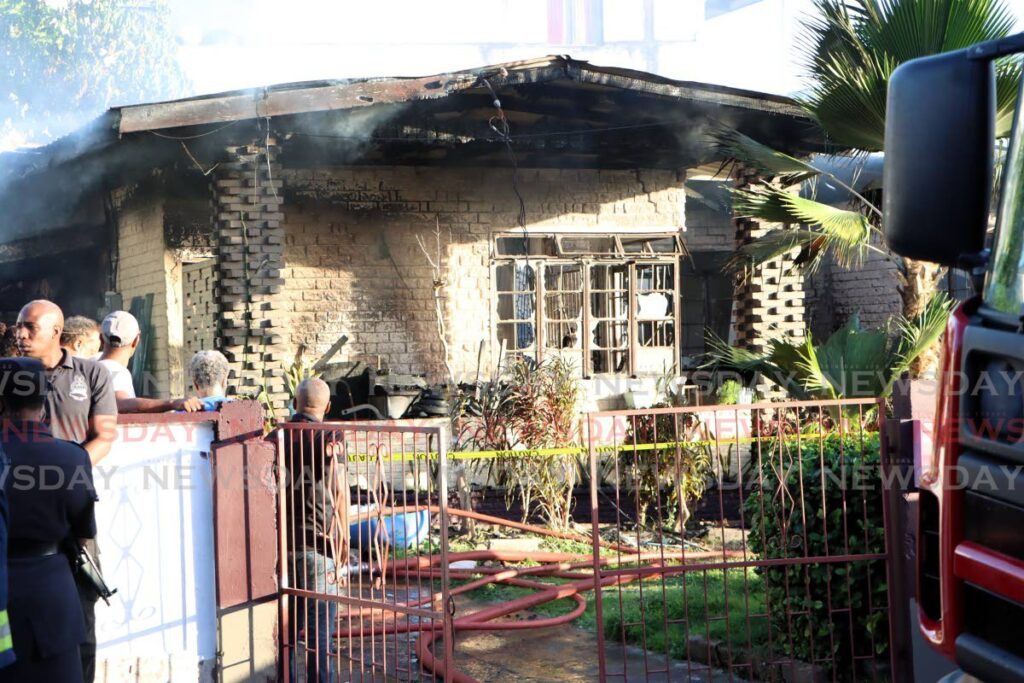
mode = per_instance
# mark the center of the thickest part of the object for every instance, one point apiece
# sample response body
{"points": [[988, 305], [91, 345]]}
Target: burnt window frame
{"points": [[541, 348]]}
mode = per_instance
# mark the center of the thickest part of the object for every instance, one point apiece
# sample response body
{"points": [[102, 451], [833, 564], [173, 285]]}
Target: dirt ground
{"points": [[563, 653]]}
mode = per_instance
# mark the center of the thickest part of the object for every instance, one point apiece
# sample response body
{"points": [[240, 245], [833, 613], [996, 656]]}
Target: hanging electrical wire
{"points": [[499, 124], [197, 135]]}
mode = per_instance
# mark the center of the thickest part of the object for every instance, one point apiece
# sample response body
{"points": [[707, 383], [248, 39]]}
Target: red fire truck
{"points": [[938, 182]]}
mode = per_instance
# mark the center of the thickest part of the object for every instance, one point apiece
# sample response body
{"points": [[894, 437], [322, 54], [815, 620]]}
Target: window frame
{"points": [[631, 261]]}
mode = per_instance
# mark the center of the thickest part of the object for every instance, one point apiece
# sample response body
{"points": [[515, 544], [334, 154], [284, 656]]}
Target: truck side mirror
{"points": [[939, 139]]}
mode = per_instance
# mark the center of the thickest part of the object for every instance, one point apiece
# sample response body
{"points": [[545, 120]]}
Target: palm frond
{"points": [[767, 161], [763, 203], [812, 376], [851, 47], [721, 355], [844, 234], [847, 234], [786, 359], [855, 360], [1008, 73], [769, 246], [916, 336]]}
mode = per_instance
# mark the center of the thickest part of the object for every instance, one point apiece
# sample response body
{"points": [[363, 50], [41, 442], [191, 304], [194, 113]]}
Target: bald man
{"points": [[80, 407], [312, 400], [319, 507]]}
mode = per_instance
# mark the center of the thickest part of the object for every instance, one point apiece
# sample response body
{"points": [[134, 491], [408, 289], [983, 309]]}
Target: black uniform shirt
{"points": [[50, 493], [49, 485], [312, 493], [78, 389]]}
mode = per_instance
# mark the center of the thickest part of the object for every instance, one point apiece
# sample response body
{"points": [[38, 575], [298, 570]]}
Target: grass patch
{"points": [[721, 615], [432, 546], [625, 621]]}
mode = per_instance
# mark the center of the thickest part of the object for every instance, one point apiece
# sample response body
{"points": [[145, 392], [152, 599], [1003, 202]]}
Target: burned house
{"points": [[538, 208]]}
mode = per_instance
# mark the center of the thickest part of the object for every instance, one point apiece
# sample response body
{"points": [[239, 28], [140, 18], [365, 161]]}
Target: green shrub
{"points": [[673, 477], [534, 408], [823, 498], [729, 393]]}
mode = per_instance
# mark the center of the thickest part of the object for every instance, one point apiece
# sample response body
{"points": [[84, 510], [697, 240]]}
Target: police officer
{"points": [[50, 495], [80, 407], [6, 643]]}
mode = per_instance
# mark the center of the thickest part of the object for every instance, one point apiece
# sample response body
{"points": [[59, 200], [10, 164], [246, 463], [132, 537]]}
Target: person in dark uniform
{"points": [[50, 497], [80, 407], [6, 644], [319, 509]]}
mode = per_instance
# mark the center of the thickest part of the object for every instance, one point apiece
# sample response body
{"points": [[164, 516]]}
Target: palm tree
{"points": [[851, 363], [849, 50]]}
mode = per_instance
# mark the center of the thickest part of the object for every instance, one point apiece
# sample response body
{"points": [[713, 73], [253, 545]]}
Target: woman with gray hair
{"points": [[209, 372]]}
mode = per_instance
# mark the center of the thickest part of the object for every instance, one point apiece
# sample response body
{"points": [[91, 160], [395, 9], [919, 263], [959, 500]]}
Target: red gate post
{"points": [[245, 542], [287, 646], [595, 531], [448, 603]]}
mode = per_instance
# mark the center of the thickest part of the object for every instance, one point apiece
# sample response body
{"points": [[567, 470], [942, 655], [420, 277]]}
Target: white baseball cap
{"points": [[120, 325]]}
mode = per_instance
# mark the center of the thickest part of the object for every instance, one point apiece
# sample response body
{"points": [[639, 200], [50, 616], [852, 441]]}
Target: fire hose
{"points": [[558, 565]]}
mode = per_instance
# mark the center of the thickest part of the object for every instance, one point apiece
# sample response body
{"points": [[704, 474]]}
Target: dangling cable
{"points": [[499, 124]]}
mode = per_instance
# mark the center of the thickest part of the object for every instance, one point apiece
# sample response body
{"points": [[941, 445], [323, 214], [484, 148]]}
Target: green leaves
{"points": [[768, 162], [851, 47], [852, 363], [61, 64], [820, 230], [917, 335], [837, 608]]}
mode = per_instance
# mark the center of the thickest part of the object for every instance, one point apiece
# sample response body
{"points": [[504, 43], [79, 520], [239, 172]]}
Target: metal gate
{"points": [[366, 595], [771, 564]]}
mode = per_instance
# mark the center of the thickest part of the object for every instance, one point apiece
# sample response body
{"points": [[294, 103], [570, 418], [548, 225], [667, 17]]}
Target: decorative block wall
{"points": [[199, 309], [770, 298], [250, 256]]}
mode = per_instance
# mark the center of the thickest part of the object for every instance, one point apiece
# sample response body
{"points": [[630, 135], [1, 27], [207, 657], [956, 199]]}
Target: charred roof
{"points": [[549, 112]]}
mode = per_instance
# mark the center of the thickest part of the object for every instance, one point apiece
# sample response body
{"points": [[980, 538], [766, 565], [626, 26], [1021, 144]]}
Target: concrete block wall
{"points": [[770, 298], [707, 230], [249, 249], [835, 293], [145, 266], [353, 265]]}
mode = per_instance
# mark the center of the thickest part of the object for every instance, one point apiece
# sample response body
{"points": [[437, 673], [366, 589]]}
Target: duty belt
{"points": [[23, 548]]}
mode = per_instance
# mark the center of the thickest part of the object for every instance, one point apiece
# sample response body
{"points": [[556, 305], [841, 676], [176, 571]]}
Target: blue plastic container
{"points": [[401, 530]]}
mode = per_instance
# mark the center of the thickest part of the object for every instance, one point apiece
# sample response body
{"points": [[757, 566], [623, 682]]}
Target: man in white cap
{"points": [[121, 336]]}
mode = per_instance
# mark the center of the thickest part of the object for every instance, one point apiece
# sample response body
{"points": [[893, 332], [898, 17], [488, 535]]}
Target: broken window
{"points": [[616, 312], [517, 308], [609, 318], [655, 316], [525, 245], [563, 311]]}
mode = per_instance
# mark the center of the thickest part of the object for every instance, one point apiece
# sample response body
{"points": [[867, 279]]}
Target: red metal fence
{"points": [[739, 542], [363, 522], [784, 576]]}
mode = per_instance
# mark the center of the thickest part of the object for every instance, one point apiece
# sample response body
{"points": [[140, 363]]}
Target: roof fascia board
{"points": [[264, 103], [583, 73]]}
